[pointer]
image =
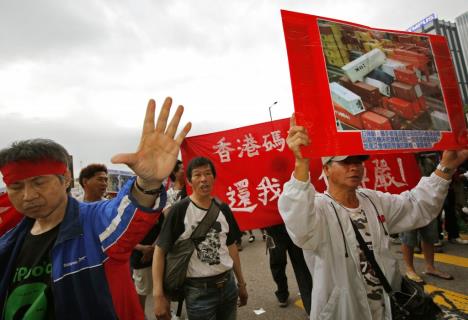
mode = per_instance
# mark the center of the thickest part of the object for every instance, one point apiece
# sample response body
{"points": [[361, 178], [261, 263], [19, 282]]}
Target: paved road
{"points": [[261, 286]]}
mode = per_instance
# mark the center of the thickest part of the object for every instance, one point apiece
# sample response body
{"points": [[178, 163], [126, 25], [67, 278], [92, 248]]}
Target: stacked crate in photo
{"points": [[369, 94], [415, 59], [384, 89], [359, 68], [440, 120], [372, 44], [334, 49], [410, 94], [390, 81], [402, 108], [430, 89], [375, 121], [390, 65], [390, 115], [346, 117], [363, 36], [348, 105]]}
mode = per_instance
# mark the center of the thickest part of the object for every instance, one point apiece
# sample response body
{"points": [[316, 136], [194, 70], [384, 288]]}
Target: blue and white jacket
{"points": [[92, 250]]}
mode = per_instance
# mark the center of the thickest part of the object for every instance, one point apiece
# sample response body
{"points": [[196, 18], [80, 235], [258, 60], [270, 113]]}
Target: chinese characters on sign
{"points": [[268, 191], [249, 146], [384, 175], [252, 164]]}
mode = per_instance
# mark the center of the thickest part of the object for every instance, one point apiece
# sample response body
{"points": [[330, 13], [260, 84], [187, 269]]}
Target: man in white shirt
{"points": [[210, 290], [93, 179], [345, 286]]}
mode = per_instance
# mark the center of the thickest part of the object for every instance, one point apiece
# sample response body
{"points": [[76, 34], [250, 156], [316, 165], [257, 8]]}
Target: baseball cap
{"points": [[326, 160]]}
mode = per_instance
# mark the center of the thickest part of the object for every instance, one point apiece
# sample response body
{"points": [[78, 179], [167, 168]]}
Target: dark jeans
{"points": [[278, 261], [212, 303]]}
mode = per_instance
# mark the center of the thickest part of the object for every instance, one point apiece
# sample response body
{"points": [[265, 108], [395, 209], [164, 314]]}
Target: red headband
{"points": [[23, 169]]}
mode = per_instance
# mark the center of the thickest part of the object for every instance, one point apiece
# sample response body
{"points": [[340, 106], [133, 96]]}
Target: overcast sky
{"points": [[81, 72]]}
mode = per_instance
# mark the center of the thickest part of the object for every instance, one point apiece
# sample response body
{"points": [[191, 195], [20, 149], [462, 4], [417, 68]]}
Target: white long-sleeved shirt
{"points": [[322, 227]]}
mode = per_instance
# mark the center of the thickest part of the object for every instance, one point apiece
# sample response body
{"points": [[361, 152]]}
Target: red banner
{"points": [[253, 163], [361, 90], [9, 217]]}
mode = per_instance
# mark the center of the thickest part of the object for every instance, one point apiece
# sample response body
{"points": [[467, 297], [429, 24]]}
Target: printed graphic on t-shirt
{"points": [[373, 287], [211, 255], [27, 302], [208, 249], [29, 293], [29, 296]]}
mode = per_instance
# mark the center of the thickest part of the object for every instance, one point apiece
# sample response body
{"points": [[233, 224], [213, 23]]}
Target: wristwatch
{"points": [[445, 170], [152, 192]]}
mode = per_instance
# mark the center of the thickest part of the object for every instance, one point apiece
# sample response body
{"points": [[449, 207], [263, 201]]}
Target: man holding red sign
{"points": [[329, 224]]}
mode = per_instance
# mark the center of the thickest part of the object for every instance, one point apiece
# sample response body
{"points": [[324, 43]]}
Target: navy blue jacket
{"points": [[90, 235]]}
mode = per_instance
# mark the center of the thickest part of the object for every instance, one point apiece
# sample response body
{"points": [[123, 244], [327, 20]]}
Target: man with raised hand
{"points": [[69, 260], [345, 284]]}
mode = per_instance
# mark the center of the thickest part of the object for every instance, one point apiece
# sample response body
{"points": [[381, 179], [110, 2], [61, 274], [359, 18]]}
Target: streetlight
{"points": [[269, 109]]}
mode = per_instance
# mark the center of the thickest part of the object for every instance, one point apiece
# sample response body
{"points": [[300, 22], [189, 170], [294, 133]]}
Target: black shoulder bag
{"points": [[411, 302], [178, 258]]}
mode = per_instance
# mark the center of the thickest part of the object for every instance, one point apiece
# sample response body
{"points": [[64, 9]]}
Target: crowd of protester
{"points": [[93, 258]]}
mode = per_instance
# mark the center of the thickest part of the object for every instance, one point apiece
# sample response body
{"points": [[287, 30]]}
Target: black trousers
{"points": [[451, 225], [278, 261]]}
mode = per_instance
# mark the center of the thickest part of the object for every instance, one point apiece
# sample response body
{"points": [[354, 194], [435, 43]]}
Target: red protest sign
{"points": [[361, 90], [252, 164], [9, 217]]}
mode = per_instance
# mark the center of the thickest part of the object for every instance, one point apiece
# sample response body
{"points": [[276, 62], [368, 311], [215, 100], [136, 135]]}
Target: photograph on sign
{"points": [[364, 90], [382, 80]]}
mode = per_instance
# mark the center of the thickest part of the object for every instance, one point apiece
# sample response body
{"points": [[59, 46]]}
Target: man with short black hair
{"points": [[178, 190], [93, 179], [210, 289], [346, 286], [70, 260]]}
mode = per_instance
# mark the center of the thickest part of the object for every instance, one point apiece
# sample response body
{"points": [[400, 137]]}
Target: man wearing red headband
{"points": [[70, 260]]}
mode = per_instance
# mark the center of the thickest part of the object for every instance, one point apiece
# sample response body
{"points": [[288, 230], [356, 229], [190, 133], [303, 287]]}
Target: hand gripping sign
{"points": [[360, 90], [253, 163]]}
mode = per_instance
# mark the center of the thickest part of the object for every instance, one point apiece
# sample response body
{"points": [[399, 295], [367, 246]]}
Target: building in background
{"points": [[434, 25], [462, 26]]}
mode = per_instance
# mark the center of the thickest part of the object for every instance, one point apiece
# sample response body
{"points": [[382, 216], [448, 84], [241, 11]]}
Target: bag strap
{"points": [[371, 259], [208, 220], [375, 210]]}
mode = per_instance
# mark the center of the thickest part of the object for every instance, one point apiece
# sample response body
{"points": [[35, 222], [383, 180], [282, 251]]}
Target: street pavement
{"points": [[261, 288]]}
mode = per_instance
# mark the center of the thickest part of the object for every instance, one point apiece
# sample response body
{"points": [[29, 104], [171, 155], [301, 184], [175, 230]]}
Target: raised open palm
{"points": [[157, 151]]}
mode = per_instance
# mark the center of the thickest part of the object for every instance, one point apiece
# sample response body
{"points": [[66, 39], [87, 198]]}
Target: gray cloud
{"points": [[84, 69], [36, 29], [89, 138]]}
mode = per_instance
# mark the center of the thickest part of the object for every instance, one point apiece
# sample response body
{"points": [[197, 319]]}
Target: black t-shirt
{"points": [[29, 293], [149, 239]]}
